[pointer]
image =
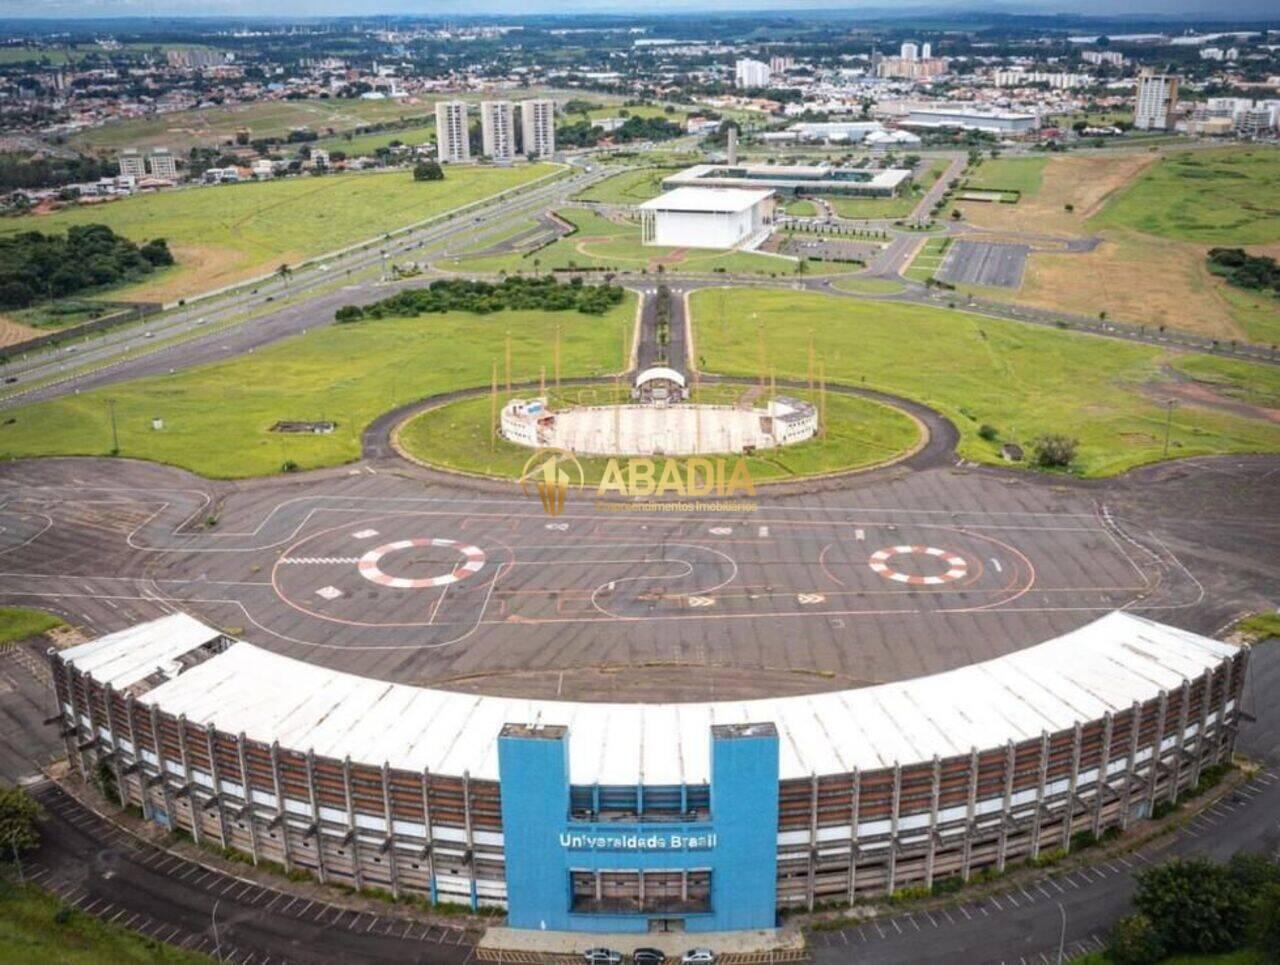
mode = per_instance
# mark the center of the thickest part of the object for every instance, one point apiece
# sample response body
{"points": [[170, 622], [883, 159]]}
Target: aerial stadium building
{"points": [[622, 817]]}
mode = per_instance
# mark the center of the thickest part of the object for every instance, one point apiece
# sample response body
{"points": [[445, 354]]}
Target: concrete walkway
{"points": [[780, 944]]}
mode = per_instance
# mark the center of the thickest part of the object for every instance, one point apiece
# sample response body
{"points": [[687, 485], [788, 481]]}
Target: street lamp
{"points": [[1062, 938], [217, 945]]}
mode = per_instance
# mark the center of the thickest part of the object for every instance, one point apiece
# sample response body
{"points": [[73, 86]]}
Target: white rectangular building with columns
{"points": [[706, 217]]}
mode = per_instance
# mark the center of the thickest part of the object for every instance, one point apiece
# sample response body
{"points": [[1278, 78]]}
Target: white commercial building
{"points": [[1157, 95], [453, 140], [909, 51], [706, 217], [852, 131], [538, 123], [751, 73], [965, 119], [792, 179], [498, 130]]}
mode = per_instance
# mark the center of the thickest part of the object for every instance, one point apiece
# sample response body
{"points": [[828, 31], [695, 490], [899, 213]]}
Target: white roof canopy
{"points": [[1104, 666], [710, 200]]}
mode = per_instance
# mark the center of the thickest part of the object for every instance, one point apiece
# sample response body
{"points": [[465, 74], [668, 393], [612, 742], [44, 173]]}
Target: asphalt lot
{"points": [[984, 263], [93, 866], [596, 604]]}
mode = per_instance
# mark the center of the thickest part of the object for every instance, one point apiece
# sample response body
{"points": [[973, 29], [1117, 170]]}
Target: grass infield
{"points": [[19, 623], [860, 433]]}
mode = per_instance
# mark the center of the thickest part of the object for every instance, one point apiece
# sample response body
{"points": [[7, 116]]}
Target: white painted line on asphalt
{"points": [[932, 921], [1122, 860], [112, 919], [995, 902], [894, 923], [964, 911], [911, 918], [88, 909], [1012, 900], [129, 923], [1071, 881]]}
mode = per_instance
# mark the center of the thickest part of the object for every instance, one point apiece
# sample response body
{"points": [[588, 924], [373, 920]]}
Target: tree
{"points": [[1195, 906], [284, 273], [428, 171], [1264, 929], [1134, 941], [18, 816], [1054, 451]]}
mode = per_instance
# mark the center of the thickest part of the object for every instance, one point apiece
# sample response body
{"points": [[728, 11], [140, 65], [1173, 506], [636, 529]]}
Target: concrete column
{"points": [[1003, 848], [356, 872], [131, 718], [812, 885], [1101, 785], [108, 698], [1184, 712], [893, 828], [855, 793], [162, 762], [428, 850], [61, 672], [972, 811], [211, 738], [1224, 727], [1072, 783], [247, 787], [935, 792], [392, 869], [197, 832], [1130, 764], [277, 788], [1205, 699], [74, 753], [471, 842], [1153, 773], [315, 815], [1041, 781]]}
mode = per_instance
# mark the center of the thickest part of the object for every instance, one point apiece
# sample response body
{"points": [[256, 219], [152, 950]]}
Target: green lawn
{"points": [[1257, 312], [37, 928], [1023, 380], [860, 432], [1022, 174], [928, 259], [874, 208], [359, 144], [1222, 197], [216, 126], [870, 286], [629, 187], [801, 208], [217, 417], [18, 623], [233, 231], [1262, 626], [601, 243]]}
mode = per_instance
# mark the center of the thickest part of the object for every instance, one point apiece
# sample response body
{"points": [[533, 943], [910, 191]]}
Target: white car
{"points": [[698, 956]]}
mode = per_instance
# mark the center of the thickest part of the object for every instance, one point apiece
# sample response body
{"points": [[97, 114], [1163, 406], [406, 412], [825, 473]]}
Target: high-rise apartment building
{"points": [[1156, 97], [538, 127], [498, 130], [909, 52], [750, 73], [453, 141]]}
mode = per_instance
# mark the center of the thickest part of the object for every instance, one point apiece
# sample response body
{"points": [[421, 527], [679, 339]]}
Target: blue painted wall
{"points": [[738, 843]]}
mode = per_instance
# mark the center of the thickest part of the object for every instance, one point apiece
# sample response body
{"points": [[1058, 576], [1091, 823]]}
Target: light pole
{"points": [[1062, 938]]}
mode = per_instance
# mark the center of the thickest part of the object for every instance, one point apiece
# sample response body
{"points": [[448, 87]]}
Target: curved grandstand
{"points": [[609, 817]]}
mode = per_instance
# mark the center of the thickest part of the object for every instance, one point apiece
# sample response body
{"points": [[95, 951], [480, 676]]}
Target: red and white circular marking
{"points": [[370, 569], [957, 567]]}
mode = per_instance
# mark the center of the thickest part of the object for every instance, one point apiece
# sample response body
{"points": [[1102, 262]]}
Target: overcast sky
{"points": [[278, 8]]}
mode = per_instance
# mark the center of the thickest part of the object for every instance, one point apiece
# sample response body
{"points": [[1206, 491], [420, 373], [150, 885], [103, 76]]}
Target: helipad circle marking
{"points": [[958, 567], [371, 570]]}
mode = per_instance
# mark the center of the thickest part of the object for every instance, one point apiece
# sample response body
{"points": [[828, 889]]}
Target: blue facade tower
{"points": [[612, 859]]}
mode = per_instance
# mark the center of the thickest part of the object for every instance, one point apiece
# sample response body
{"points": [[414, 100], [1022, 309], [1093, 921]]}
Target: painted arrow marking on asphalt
{"points": [[695, 601]]}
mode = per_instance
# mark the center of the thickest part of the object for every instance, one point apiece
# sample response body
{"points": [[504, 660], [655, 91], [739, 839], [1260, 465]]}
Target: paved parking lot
{"points": [[984, 263]]}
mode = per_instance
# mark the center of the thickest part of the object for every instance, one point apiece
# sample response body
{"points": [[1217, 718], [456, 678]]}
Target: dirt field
{"points": [[1134, 279], [11, 332], [1130, 276], [205, 267], [1082, 181]]}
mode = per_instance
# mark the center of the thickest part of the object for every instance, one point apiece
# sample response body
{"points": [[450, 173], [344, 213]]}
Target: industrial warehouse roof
{"points": [[122, 659], [717, 200], [1104, 666]]}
